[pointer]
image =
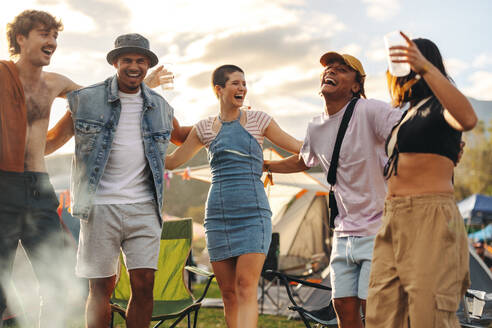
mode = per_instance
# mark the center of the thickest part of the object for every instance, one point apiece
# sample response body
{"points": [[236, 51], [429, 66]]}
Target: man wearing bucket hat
{"points": [[122, 129], [28, 202], [360, 187]]}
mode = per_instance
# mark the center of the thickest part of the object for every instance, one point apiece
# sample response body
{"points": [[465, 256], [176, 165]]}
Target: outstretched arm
{"points": [[59, 134], [459, 112], [290, 164], [281, 138], [185, 152], [180, 133], [158, 76]]}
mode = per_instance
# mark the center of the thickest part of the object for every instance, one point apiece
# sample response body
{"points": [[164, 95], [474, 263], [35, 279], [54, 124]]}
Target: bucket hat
{"points": [[131, 43]]}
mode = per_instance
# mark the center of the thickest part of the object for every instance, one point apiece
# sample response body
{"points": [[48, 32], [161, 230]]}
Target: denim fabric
{"points": [[28, 213], [350, 266], [95, 112], [238, 216]]}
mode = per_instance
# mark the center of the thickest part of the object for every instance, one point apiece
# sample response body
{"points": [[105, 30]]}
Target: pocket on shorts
{"points": [[446, 307]]}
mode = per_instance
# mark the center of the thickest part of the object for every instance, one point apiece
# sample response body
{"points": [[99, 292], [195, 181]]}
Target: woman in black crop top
{"points": [[420, 263]]}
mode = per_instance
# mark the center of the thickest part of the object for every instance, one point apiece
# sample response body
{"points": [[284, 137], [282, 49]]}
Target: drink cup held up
{"points": [[395, 39]]}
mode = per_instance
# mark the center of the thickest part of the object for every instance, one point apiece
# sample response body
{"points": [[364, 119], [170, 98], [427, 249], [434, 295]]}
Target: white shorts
{"points": [[133, 228], [350, 266]]}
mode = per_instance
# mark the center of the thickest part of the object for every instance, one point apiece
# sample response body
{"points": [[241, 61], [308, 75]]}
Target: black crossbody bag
{"points": [[332, 172]]}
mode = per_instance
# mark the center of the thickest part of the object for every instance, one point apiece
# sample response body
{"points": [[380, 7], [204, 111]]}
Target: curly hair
{"points": [[27, 21]]}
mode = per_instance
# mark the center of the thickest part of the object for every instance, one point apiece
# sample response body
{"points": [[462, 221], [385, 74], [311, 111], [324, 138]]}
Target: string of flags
{"points": [[64, 201], [268, 179], [186, 175], [168, 175]]}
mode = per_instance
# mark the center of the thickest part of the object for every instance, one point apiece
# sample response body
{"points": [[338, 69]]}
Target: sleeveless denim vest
{"points": [[95, 112]]}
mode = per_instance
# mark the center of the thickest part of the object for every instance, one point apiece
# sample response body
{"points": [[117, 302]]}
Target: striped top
{"points": [[256, 123]]}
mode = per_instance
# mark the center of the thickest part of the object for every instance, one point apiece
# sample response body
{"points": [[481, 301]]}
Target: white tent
{"points": [[303, 228]]}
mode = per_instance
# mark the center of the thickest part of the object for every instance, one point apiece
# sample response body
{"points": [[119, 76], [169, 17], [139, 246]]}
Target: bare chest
{"points": [[38, 102]]}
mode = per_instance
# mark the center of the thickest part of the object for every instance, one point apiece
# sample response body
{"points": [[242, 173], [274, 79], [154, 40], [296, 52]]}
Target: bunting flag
{"points": [[268, 180], [64, 201], [186, 174], [168, 176]]}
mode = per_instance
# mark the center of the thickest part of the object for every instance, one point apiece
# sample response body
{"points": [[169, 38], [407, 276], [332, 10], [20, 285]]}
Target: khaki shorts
{"points": [[420, 268], [134, 229]]}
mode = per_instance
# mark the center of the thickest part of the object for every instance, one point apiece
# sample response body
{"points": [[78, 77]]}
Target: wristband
{"points": [[424, 70]]}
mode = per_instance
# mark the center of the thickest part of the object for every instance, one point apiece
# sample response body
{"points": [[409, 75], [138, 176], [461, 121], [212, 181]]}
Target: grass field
{"points": [[207, 318]]}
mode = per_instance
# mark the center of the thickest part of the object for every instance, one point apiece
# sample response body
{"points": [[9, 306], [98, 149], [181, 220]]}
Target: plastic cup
{"points": [[167, 83], [395, 39]]}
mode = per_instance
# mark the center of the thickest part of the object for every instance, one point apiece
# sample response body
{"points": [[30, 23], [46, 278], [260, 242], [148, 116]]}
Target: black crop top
{"points": [[425, 132]]}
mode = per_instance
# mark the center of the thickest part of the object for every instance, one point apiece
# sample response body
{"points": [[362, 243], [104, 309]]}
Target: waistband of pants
{"points": [[417, 200], [22, 174], [25, 176]]}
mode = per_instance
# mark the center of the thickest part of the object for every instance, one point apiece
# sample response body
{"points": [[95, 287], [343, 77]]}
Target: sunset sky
{"points": [[277, 42]]}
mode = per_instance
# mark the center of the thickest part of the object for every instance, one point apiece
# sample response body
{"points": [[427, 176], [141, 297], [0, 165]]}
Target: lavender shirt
{"points": [[360, 189]]}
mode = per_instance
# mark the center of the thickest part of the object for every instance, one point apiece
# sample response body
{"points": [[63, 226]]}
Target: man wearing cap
{"points": [[360, 187], [122, 129]]}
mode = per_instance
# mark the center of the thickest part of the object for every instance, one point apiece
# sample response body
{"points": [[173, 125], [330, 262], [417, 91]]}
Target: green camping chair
{"points": [[172, 298]]}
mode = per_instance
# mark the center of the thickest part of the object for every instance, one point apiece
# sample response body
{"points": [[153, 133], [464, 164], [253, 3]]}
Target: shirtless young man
{"points": [[28, 202]]}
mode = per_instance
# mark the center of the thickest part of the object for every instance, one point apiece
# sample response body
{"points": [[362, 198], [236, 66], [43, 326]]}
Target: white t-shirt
{"points": [[126, 177], [360, 188]]}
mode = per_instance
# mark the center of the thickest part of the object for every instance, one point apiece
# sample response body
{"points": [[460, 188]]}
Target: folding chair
{"points": [[172, 298], [269, 280], [322, 317], [475, 309]]}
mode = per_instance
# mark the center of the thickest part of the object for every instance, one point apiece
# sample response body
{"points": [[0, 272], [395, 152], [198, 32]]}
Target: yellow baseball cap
{"points": [[351, 61]]}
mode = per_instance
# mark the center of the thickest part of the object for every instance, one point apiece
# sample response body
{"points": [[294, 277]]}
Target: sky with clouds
{"points": [[277, 42]]}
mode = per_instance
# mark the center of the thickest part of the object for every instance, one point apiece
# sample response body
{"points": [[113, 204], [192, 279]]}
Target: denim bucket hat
{"points": [[131, 43]]}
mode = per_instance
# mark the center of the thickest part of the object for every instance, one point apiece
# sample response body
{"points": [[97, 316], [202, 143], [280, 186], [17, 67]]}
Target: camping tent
{"points": [[484, 234], [476, 209], [303, 228]]}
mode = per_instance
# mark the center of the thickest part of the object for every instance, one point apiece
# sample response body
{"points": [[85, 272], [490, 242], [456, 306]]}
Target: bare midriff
{"points": [[35, 144], [420, 173]]}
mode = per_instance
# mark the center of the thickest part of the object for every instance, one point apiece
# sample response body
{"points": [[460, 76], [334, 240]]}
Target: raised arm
{"points": [[459, 112], [290, 164], [158, 76], [59, 134], [185, 152], [281, 138]]}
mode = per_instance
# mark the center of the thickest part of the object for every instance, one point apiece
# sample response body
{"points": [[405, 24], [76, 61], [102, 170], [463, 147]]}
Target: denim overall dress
{"points": [[237, 216]]}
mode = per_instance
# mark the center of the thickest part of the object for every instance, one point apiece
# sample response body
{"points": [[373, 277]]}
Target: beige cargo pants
{"points": [[420, 268]]}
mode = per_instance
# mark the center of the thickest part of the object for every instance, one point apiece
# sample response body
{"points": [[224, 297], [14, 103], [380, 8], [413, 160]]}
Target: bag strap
{"points": [[332, 172]]}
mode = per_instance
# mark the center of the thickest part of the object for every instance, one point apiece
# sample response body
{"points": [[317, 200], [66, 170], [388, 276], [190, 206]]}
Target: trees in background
{"points": [[474, 172]]}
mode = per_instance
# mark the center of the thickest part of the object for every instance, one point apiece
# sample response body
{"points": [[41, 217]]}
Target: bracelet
{"points": [[424, 70]]}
